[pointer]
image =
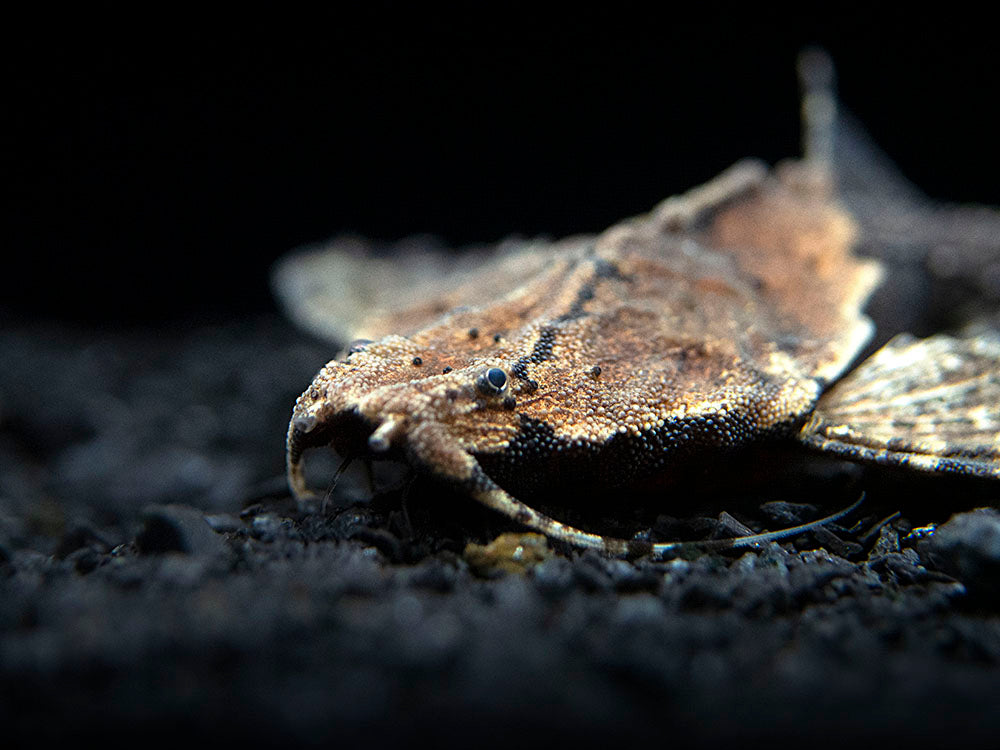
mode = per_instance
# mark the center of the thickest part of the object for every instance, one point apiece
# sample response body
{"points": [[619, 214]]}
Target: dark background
{"points": [[157, 167]]}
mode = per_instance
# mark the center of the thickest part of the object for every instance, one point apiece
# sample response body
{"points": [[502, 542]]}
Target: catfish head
{"points": [[394, 399]]}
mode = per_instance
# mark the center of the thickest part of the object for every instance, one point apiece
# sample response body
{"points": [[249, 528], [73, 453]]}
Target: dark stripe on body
{"points": [[536, 458], [607, 269], [542, 350]]}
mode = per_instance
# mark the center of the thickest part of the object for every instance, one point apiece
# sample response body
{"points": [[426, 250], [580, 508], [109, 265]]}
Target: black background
{"points": [[158, 165]]}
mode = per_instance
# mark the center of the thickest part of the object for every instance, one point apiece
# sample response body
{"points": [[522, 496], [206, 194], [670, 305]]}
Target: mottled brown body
{"points": [[717, 319]]}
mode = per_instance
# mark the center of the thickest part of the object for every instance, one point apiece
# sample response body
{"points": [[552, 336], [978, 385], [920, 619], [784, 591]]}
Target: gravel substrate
{"points": [[156, 582]]}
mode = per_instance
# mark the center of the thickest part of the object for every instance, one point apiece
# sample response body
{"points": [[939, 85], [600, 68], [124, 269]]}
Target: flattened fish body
{"points": [[715, 320]]}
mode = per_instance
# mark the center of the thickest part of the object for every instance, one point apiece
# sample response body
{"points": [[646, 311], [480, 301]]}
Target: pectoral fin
{"points": [[931, 404]]}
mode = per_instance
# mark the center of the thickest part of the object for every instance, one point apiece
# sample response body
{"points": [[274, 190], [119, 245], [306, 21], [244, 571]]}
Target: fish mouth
{"points": [[348, 434]]}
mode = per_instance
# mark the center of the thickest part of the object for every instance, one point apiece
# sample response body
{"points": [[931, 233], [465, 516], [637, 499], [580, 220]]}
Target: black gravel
{"points": [[157, 582]]}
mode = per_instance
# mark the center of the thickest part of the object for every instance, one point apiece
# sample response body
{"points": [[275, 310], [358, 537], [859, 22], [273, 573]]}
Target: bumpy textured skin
{"points": [[714, 320]]}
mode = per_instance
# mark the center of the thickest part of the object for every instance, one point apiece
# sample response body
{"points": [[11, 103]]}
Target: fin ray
{"points": [[931, 404]]}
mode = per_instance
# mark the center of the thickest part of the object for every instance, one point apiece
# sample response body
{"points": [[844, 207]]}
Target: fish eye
{"points": [[493, 381]]}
